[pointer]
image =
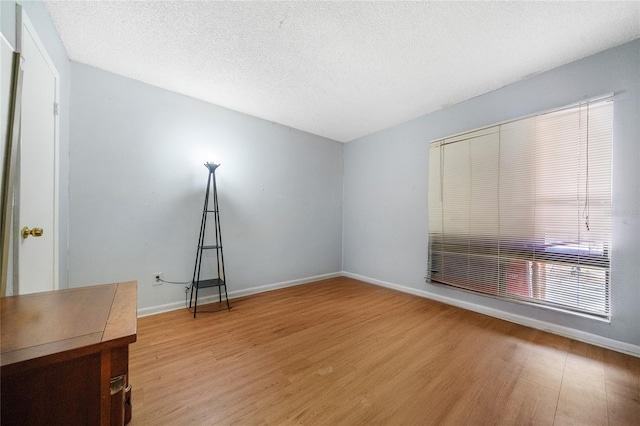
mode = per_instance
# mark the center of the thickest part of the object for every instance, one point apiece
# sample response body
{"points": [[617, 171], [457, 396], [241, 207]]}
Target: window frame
{"points": [[601, 261]]}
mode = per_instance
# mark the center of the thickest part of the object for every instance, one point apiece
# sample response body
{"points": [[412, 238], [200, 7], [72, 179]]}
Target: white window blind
{"points": [[522, 210]]}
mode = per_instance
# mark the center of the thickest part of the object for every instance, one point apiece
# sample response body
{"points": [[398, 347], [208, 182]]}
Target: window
{"points": [[522, 210]]}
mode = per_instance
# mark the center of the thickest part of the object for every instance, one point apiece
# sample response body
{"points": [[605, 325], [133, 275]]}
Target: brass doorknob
{"points": [[36, 232]]}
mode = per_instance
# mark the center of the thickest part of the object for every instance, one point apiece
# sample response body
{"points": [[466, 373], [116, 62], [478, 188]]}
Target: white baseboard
{"points": [[158, 309], [173, 306], [571, 333]]}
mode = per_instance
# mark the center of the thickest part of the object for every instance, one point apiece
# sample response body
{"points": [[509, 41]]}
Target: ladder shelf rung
{"points": [[213, 282], [210, 247]]}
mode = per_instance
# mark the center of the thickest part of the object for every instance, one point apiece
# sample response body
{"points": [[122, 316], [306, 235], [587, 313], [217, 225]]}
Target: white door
{"points": [[36, 196]]}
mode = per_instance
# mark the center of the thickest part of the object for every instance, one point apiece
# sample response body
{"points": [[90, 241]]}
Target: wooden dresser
{"points": [[65, 355]]}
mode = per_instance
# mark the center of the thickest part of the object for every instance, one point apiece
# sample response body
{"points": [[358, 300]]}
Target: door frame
{"points": [[23, 23], [9, 162]]}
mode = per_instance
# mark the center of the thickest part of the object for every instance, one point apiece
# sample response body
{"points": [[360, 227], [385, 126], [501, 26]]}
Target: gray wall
{"points": [[39, 17], [137, 189], [385, 187]]}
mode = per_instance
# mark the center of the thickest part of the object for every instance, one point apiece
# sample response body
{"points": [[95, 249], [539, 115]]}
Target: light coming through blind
{"points": [[522, 210]]}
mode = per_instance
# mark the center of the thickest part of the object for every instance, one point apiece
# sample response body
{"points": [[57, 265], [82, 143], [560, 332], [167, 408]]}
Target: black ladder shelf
{"points": [[203, 247]]}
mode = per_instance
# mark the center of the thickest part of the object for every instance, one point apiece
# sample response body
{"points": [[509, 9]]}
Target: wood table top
{"points": [[40, 328]]}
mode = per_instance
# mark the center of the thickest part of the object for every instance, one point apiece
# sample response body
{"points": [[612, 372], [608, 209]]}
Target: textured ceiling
{"points": [[337, 69]]}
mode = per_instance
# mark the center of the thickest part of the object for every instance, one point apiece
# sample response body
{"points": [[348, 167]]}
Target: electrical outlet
{"points": [[157, 279]]}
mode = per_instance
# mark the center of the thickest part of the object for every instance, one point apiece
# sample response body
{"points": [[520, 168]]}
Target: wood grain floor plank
{"points": [[342, 352], [622, 377], [529, 404], [583, 397]]}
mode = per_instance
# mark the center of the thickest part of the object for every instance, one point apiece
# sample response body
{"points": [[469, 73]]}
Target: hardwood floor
{"points": [[343, 352]]}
